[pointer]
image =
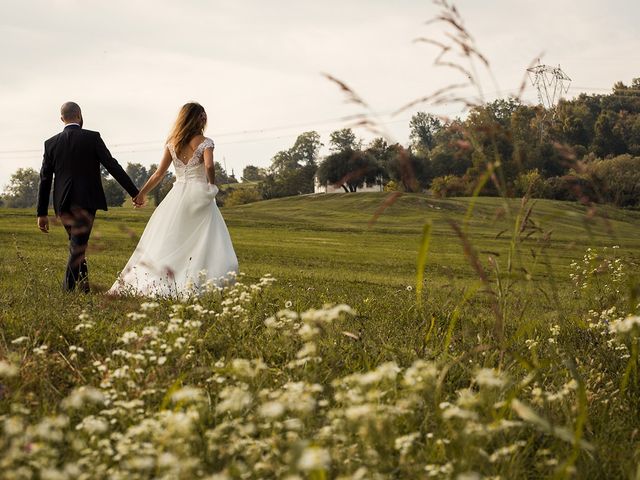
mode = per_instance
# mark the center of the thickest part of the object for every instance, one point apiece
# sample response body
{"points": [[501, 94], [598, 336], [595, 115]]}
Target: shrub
{"points": [[531, 183], [391, 186], [241, 196], [450, 186], [571, 187], [617, 180]]}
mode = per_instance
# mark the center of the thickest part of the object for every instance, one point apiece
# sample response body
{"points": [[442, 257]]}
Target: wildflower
{"points": [[7, 369], [385, 371], [307, 350], [272, 409], [92, 425], [468, 476], [41, 350], [233, 399], [420, 373], [357, 412], [82, 395], [187, 395], [128, 337], [626, 325], [246, 368], [489, 377], [452, 411], [403, 444], [314, 458], [149, 306]]}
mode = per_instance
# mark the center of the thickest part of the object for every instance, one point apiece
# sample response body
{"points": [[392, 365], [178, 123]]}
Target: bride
{"points": [[185, 244]]}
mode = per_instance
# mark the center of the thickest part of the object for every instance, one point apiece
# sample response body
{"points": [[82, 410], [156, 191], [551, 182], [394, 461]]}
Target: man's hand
{"points": [[43, 224], [139, 201]]}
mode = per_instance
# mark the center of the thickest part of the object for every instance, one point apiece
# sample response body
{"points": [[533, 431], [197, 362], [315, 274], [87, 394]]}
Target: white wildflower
{"points": [[272, 409], [149, 306], [233, 399], [8, 370], [626, 325], [93, 425], [187, 395], [357, 412], [489, 377], [404, 443], [128, 337], [314, 458], [81, 396]]}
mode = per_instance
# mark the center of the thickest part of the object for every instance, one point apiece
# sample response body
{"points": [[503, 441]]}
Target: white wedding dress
{"points": [[185, 246]]}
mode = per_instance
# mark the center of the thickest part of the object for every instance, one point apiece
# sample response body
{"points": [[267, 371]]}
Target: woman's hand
{"points": [[139, 201]]}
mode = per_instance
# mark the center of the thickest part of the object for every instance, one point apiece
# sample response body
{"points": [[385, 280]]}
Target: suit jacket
{"points": [[72, 161]]}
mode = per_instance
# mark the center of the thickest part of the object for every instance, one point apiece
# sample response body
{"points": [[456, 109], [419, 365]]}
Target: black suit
{"points": [[72, 162]]}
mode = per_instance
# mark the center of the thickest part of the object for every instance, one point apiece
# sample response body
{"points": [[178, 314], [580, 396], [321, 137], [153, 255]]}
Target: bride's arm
{"points": [[209, 165], [154, 179]]}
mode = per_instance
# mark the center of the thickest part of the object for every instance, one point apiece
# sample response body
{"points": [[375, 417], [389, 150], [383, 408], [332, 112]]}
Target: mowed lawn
{"points": [[328, 242]]}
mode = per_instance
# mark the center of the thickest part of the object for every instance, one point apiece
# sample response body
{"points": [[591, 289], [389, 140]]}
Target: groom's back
{"points": [[72, 161], [76, 164], [73, 151]]}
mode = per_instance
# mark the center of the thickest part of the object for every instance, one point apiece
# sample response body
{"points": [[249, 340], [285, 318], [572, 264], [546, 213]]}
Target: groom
{"points": [[72, 161]]}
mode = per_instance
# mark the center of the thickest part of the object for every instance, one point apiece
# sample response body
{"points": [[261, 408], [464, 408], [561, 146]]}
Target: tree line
{"points": [[22, 190], [585, 149]]}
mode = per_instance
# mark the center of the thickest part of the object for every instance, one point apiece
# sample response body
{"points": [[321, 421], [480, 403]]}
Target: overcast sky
{"points": [[256, 65]]}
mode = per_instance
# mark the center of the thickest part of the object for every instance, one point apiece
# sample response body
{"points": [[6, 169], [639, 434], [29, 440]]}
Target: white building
{"points": [[332, 188]]}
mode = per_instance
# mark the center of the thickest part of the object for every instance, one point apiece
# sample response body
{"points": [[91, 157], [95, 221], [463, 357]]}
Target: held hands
{"points": [[43, 224], [139, 201]]}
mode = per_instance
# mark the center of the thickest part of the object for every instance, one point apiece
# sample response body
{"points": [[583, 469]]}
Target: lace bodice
{"points": [[193, 169]]}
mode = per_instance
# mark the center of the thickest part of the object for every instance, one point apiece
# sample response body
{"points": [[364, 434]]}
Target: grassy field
{"points": [[497, 297], [326, 240]]}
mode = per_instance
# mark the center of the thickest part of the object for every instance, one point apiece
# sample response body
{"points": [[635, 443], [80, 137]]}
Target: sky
{"points": [[257, 66]]}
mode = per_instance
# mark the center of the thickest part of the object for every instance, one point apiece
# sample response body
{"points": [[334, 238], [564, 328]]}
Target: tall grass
{"points": [[503, 376]]}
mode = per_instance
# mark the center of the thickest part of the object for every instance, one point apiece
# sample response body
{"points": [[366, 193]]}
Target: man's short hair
{"points": [[70, 111]]}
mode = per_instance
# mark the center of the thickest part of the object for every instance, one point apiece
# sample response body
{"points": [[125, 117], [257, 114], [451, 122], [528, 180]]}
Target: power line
{"points": [[115, 149], [251, 140], [345, 118]]}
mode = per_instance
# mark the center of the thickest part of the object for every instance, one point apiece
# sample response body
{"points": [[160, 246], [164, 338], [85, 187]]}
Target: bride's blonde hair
{"points": [[191, 121]]}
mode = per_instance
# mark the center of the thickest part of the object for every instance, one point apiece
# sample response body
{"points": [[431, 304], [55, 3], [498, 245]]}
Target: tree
{"points": [[290, 182], [283, 161], [222, 177], [251, 173], [113, 192], [165, 185], [137, 173], [423, 129], [22, 191], [408, 169], [344, 140], [349, 169], [292, 170], [306, 149]]}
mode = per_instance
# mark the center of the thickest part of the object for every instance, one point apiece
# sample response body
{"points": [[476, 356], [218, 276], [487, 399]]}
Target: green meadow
{"points": [[493, 362]]}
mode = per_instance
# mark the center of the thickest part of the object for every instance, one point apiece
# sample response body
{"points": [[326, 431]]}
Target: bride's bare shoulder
{"points": [[197, 140]]}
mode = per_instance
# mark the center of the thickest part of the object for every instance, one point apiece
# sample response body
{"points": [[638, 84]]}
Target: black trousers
{"points": [[78, 223]]}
